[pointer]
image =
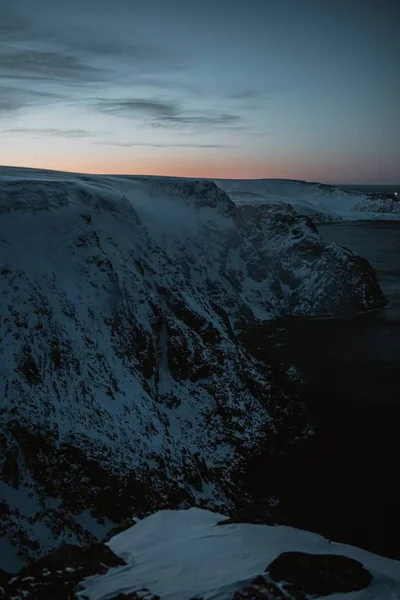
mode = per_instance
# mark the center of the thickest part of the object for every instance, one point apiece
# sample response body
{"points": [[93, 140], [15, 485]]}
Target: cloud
{"points": [[57, 74], [15, 98], [218, 120], [161, 83], [10, 25], [44, 60], [68, 58], [52, 131], [155, 145], [133, 107], [16, 62], [169, 114], [243, 95], [36, 46], [136, 55], [253, 98]]}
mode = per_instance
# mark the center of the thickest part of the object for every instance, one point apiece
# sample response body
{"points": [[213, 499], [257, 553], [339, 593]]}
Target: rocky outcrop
{"points": [[57, 575], [382, 205], [126, 383], [313, 277], [319, 574]]}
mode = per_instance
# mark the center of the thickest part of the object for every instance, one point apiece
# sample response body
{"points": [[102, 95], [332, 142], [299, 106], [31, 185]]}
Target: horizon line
{"points": [[294, 179]]}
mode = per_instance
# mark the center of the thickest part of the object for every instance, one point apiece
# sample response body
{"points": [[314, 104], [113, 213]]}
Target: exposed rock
{"points": [[320, 574], [263, 589], [313, 277], [253, 514], [383, 206], [143, 594], [57, 575]]}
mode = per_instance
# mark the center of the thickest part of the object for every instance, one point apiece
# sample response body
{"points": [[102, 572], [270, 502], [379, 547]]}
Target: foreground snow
{"points": [[323, 203], [183, 554]]}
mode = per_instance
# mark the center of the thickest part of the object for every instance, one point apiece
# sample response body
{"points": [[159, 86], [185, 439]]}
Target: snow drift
{"points": [[180, 555]]}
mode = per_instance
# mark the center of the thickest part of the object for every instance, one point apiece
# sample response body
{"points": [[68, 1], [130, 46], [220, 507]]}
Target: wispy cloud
{"points": [[138, 106], [43, 63], [257, 98], [155, 145], [244, 95], [162, 83], [33, 63], [169, 114], [68, 60], [10, 25], [216, 121], [51, 131], [14, 98], [69, 51]]}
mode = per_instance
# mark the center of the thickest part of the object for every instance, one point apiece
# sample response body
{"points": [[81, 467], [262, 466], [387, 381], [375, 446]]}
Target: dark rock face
{"points": [[57, 575], [263, 588], [143, 594], [384, 205], [314, 277], [320, 574]]}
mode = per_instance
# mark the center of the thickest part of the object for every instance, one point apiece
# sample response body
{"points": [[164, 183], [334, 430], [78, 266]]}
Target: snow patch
{"points": [[185, 554]]}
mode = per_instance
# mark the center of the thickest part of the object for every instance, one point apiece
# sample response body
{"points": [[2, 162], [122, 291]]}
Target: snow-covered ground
{"points": [[323, 203], [183, 554]]}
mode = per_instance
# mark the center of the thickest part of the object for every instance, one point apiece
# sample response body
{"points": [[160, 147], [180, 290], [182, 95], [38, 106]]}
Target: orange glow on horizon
{"points": [[192, 166], [171, 167]]}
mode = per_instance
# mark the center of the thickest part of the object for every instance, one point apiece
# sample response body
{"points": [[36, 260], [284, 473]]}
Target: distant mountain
{"points": [[126, 385], [321, 202]]}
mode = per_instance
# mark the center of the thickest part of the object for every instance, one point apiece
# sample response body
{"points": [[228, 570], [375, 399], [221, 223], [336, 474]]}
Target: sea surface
{"points": [[384, 189], [363, 352], [344, 481]]}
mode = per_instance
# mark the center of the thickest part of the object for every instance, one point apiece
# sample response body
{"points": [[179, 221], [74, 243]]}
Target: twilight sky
{"points": [[304, 89]]}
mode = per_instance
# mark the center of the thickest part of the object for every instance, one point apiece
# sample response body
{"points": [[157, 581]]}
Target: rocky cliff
{"points": [[321, 202]]}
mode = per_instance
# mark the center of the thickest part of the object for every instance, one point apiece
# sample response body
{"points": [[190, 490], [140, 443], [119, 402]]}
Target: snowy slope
{"points": [[183, 554], [124, 385], [323, 203]]}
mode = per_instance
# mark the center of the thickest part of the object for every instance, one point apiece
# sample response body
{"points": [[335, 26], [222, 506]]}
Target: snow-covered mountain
{"points": [[323, 203], [125, 385]]}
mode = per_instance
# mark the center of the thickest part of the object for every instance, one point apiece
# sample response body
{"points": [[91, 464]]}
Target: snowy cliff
{"points": [[124, 384], [323, 203]]}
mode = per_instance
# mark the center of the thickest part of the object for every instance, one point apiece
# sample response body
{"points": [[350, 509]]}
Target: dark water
{"points": [[363, 353], [379, 189], [344, 483]]}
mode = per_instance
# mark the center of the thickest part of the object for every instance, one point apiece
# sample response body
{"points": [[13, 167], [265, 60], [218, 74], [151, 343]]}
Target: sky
{"points": [[302, 89]]}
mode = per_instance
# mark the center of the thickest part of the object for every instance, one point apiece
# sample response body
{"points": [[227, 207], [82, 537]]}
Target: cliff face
{"points": [[124, 385], [323, 203], [313, 277]]}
